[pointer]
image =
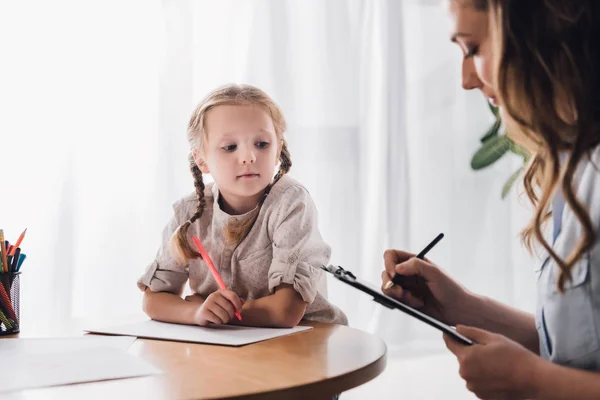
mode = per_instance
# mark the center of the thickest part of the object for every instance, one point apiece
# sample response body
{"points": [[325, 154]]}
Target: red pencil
{"points": [[212, 268]]}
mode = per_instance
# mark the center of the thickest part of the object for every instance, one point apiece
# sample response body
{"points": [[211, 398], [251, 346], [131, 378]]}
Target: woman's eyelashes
{"points": [[471, 51], [232, 147]]}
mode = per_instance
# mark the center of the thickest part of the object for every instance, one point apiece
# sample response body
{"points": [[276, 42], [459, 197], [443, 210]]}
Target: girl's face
{"points": [[470, 30], [241, 152]]}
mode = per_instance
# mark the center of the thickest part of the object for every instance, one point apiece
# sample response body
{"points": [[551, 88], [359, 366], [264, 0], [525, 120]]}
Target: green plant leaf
{"points": [[493, 131], [520, 151], [510, 182], [491, 151], [494, 110]]}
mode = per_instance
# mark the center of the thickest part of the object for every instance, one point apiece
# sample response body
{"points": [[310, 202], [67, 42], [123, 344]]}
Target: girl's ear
{"points": [[199, 160], [279, 147]]}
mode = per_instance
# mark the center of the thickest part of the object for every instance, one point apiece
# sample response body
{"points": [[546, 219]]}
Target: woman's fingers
{"points": [[394, 291], [393, 257], [418, 267], [412, 300]]}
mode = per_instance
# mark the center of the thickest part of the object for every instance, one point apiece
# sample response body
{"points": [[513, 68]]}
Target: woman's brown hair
{"points": [[548, 79], [232, 94]]}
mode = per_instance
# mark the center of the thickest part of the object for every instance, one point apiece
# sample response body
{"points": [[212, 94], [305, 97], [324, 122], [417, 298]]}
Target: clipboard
{"points": [[348, 278]]}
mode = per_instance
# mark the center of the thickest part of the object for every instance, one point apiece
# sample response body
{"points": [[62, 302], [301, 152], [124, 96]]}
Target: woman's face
{"points": [[469, 28]]}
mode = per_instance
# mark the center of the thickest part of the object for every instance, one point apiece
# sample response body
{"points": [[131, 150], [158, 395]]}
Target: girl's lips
{"points": [[248, 176]]}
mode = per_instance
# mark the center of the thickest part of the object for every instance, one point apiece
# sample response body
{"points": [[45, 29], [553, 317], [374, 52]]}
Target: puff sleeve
{"points": [[164, 274], [298, 248]]}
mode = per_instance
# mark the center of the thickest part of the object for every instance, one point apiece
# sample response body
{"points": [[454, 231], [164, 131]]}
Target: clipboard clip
{"points": [[339, 271], [342, 274]]}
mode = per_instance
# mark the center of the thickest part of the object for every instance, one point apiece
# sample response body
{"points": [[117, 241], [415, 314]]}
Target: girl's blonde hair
{"points": [[232, 94], [548, 81]]}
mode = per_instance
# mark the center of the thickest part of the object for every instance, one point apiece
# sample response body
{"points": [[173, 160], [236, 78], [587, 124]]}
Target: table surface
{"points": [[316, 364]]}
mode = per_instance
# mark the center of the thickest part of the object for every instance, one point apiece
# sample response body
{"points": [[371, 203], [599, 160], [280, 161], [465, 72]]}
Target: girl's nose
{"points": [[248, 157]]}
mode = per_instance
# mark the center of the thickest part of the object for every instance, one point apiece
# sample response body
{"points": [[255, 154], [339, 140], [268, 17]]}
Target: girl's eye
{"points": [[472, 52], [262, 145], [231, 147]]}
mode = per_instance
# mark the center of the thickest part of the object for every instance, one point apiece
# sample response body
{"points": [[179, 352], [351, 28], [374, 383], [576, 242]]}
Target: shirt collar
{"points": [[221, 218]]}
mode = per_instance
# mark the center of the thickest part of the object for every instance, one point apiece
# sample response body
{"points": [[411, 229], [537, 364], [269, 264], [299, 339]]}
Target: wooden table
{"points": [[314, 364]]}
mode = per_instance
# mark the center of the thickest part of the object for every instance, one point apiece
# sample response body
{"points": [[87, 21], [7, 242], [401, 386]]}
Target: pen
{"points": [[212, 268], [411, 281], [21, 259], [15, 263]]}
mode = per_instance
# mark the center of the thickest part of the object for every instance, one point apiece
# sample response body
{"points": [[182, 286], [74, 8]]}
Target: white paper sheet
{"points": [[227, 335], [38, 363]]}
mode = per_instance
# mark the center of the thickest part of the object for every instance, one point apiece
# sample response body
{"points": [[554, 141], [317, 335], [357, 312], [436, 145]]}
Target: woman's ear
{"points": [[200, 162]]}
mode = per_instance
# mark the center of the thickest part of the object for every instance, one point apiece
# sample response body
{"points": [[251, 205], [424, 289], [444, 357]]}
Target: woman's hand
{"points": [[495, 367], [433, 291], [218, 308]]}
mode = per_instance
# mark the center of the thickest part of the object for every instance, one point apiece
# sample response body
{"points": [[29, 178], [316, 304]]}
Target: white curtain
{"points": [[96, 97], [81, 156]]}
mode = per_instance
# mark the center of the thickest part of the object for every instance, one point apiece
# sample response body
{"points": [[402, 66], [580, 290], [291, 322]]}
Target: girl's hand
{"points": [[433, 291], [495, 367], [194, 298], [218, 308]]}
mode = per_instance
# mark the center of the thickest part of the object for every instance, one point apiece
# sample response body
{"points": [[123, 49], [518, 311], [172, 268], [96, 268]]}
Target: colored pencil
{"points": [[18, 243], [3, 252], [212, 268]]}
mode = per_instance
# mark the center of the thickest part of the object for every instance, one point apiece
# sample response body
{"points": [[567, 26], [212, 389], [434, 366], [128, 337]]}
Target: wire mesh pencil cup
{"points": [[10, 283]]}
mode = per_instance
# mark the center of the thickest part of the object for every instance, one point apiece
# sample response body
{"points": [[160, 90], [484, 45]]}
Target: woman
{"points": [[538, 61]]}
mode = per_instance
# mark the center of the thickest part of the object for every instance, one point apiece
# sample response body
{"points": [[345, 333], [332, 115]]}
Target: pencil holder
{"points": [[10, 287]]}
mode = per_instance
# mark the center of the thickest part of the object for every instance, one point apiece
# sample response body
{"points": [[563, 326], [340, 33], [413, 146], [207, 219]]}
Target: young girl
{"points": [[259, 228], [539, 61]]}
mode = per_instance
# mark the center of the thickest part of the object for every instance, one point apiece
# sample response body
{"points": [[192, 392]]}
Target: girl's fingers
{"points": [[212, 317], [233, 298], [226, 305], [219, 312]]}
